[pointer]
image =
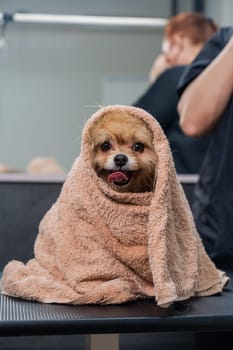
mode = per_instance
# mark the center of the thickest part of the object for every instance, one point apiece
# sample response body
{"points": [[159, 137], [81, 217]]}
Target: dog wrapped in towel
{"points": [[100, 245]]}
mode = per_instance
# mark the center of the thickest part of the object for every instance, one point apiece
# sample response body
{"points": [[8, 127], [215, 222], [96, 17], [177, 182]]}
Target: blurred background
{"points": [[53, 76]]}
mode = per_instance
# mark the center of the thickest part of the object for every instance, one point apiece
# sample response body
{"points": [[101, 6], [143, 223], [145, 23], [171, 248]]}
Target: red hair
{"points": [[193, 25]]}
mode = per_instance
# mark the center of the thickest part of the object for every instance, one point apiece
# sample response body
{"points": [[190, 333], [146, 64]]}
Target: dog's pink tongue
{"points": [[117, 176]]}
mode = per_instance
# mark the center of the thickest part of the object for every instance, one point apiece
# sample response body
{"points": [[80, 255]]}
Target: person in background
{"points": [[206, 107], [184, 36]]}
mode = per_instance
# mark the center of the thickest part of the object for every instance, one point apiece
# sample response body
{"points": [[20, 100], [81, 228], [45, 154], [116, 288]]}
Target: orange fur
{"points": [[129, 138]]}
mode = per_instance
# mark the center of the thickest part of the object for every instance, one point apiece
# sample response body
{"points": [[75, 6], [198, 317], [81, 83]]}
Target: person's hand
{"points": [[159, 66]]}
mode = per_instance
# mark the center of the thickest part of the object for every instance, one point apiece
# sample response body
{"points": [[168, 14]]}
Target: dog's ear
{"points": [[91, 140], [92, 145]]}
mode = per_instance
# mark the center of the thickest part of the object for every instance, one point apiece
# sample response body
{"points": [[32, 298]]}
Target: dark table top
{"points": [[20, 317]]}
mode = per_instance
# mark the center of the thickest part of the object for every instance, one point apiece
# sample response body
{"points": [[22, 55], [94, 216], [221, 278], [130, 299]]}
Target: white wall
{"points": [[221, 10], [53, 77]]}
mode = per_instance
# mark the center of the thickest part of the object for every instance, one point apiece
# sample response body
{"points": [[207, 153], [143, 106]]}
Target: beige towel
{"points": [[99, 246]]}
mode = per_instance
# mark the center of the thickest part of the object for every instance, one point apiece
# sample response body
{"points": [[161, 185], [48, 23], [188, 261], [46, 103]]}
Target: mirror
{"points": [[54, 76]]}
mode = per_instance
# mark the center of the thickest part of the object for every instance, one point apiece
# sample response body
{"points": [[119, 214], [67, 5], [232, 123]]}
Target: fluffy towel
{"points": [[99, 246]]}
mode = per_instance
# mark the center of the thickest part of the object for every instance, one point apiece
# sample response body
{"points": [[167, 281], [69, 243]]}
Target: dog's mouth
{"points": [[120, 178]]}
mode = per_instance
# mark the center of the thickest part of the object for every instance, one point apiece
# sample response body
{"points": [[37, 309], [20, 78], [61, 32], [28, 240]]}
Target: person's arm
{"points": [[159, 66], [204, 100]]}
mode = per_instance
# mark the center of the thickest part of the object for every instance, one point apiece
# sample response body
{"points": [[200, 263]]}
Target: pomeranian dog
{"points": [[122, 153]]}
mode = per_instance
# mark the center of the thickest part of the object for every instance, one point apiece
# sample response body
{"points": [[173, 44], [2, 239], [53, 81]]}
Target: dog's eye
{"points": [[105, 146], [138, 147]]}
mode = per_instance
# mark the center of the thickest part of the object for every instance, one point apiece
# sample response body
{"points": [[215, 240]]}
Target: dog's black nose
{"points": [[120, 159]]}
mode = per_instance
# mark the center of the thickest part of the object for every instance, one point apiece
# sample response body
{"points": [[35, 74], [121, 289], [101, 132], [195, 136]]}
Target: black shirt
{"points": [[213, 202], [161, 100]]}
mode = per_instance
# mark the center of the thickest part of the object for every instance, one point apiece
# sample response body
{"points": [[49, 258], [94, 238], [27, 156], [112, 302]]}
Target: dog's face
{"points": [[122, 153]]}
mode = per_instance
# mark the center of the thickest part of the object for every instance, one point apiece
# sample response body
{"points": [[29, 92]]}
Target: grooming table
{"points": [[24, 200], [103, 324]]}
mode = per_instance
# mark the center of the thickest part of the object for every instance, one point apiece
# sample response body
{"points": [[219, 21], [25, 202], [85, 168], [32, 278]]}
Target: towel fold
{"points": [[96, 245]]}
